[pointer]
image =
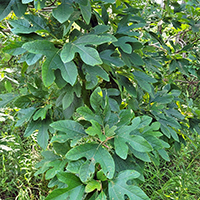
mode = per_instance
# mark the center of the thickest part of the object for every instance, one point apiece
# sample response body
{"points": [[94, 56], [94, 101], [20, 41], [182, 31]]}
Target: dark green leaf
{"points": [[86, 171], [32, 58], [118, 187], [95, 153], [22, 101], [14, 49], [96, 99], [43, 47], [5, 8], [86, 12], [123, 43], [63, 12], [43, 135], [19, 8], [69, 72], [72, 129], [25, 115], [6, 98], [123, 138], [110, 60], [92, 73], [38, 22]]}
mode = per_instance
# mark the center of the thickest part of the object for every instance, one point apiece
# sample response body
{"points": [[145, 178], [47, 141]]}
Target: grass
{"points": [[18, 156], [178, 179]]}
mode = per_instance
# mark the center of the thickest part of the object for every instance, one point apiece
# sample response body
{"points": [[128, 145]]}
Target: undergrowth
{"points": [[178, 179]]}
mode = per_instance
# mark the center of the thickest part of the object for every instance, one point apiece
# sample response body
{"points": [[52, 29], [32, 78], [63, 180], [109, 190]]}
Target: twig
{"points": [[52, 4], [179, 33], [153, 45], [6, 30]]}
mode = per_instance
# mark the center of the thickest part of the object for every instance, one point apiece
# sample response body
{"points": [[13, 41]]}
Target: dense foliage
{"points": [[106, 86]]}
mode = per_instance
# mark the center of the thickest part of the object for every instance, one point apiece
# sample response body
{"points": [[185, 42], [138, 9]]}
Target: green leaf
{"points": [[60, 82], [38, 22], [52, 62], [95, 129], [125, 117], [142, 75], [128, 85], [32, 126], [5, 8], [22, 101], [110, 60], [173, 134], [157, 37], [141, 155], [88, 115], [173, 65], [164, 154], [96, 99], [74, 166], [69, 72], [70, 179], [22, 26], [14, 49], [144, 80], [31, 58], [105, 15], [8, 86], [101, 196], [91, 75], [38, 5], [92, 185], [73, 130], [118, 187], [6, 98], [126, 29], [19, 8], [86, 12], [123, 138], [63, 12], [110, 131], [68, 97], [43, 135], [25, 115], [167, 98], [165, 130], [92, 39], [82, 2], [101, 176], [43, 47], [88, 54], [86, 171], [132, 59], [41, 113], [26, 1], [123, 43], [55, 167], [75, 190], [95, 153]]}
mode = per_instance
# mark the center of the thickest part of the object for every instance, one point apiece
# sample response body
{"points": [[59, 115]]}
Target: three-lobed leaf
{"points": [[95, 153], [118, 187]]}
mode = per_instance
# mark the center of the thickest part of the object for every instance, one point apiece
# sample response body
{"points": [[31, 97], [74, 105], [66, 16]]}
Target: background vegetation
{"points": [[99, 99]]}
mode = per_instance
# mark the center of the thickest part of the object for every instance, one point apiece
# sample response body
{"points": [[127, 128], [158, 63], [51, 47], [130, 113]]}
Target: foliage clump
{"points": [[100, 84]]}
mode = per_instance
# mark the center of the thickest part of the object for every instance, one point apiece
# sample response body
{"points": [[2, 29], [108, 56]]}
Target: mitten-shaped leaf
{"points": [[118, 187], [95, 153]]}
